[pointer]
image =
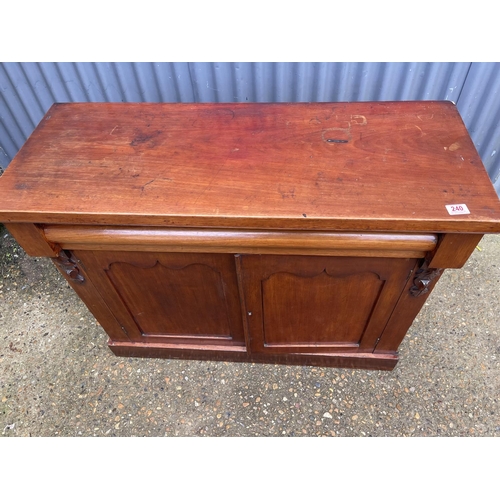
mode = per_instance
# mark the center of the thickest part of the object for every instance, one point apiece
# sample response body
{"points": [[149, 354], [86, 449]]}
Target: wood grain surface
{"points": [[371, 166], [313, 304], [185, 299], [156, 239]]}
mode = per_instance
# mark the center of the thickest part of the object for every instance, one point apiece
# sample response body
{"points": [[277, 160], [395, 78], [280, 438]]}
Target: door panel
{"points": [[182, 295], [306, 304], [170, 297], [283, 313]]}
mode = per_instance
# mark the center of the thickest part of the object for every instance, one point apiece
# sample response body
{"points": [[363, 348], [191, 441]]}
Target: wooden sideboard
{"points": [[306, 233]]}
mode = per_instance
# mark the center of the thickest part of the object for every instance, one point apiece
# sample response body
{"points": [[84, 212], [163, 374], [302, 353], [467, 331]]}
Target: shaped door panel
{"points": [[170, 297], [311, 304]]}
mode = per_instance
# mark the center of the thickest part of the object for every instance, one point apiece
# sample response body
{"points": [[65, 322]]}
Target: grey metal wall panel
{"points": [[479, 106], [27, 90], [292, 82]]}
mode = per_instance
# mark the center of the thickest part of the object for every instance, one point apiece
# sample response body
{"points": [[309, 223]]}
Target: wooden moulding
{"points": [[383, 361], [241, 241]]}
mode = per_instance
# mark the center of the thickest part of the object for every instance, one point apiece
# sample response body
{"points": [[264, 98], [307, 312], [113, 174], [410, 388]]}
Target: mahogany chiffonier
{"points": [[307, 233]]}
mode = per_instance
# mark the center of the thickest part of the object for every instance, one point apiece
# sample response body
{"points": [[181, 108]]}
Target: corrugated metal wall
{"points": [[479, 105], [27, 90]]}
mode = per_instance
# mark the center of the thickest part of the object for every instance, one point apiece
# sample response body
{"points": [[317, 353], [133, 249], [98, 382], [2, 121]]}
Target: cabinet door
{"points": [[189, 300], [319, 304]]}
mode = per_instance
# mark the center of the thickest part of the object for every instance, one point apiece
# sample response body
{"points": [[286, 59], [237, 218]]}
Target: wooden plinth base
{"points": [[365, 361]]}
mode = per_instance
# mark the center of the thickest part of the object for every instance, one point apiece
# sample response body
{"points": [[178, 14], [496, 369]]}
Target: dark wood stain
{"points": [[397, 159], [308, 233]]}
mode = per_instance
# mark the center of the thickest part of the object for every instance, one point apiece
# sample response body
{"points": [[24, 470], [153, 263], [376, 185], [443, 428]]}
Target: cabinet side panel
{"points": [[87, 291], [402, 317]]}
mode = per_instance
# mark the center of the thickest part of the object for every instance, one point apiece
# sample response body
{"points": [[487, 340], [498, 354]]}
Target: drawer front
{"points": [[156, 239]]}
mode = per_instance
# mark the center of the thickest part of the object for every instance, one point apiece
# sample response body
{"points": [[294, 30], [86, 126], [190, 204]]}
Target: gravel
{"points": [[58, 377]]}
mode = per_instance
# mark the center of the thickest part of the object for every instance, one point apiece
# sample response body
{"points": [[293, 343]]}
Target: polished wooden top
{"points": [[381, 166]]}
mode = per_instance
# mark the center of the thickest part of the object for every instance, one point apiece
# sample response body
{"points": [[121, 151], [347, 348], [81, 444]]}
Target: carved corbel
{"points": [[66, 262], [422, 280]]}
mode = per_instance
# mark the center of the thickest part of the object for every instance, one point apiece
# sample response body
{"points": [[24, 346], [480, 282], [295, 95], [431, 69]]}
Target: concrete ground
{"points": [[58, 377]]}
